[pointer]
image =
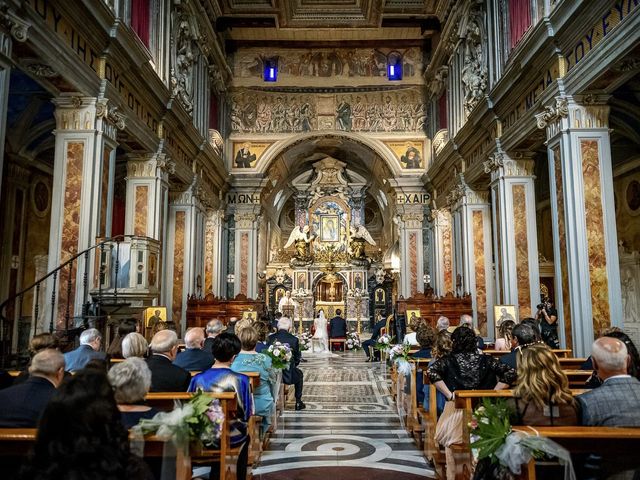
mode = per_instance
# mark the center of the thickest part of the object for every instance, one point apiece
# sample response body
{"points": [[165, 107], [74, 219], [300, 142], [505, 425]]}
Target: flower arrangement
{"points": [[280, 354], [305, 341], [399, 354], [199, 419], [502, 451], [384, 342], [353, 341]]}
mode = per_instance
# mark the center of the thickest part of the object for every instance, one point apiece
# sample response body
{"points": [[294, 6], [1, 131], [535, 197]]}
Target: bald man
{"points": [[616, 402], [165, 376], [195, 358]]}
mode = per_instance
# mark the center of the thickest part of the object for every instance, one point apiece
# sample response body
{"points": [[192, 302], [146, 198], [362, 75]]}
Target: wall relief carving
{"points": [[185, 54]]}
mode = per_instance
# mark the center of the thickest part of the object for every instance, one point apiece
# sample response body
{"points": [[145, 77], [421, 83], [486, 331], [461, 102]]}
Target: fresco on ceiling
{"points": [[401, 110], [325, 66]]}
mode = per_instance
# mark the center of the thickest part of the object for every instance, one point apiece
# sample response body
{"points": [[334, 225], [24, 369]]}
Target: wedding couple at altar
{"points": [[320, 338]]}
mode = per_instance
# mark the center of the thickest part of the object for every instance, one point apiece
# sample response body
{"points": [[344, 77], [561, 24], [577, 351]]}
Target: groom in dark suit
{"points": [[337, 326], [293, 375]]}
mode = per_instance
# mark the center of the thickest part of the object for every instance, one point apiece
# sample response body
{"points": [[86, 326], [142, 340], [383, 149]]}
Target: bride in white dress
{"points": [[320, 339]]}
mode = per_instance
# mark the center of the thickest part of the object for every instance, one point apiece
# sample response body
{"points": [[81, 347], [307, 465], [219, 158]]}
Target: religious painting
{"points": [[412, 317], [301, 280], [279, 294], [329, 228], [155, 319], [504, 312], [379, 296], [410, 153], [249, 315], [357, 280], [246, 154]]}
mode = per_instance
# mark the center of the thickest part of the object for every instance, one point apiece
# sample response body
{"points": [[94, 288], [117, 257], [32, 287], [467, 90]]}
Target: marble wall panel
{"points": [[562, 239], [70, 230], [447, 254], [499, 266], [244, 262], [178, 267], [522, 250], [595, 234], [104, 193], [479, 267], [142, 211], [208, 257], [413, 258]]}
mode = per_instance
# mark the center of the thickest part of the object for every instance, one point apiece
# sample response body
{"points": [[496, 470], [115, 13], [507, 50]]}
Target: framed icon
{"points": [[379, 296], [329, 228], [249, 315], [155, 319], [412, 316], [504, 312]]}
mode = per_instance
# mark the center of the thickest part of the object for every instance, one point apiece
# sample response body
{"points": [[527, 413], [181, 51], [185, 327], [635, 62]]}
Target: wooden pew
{"points": [[560, 353], [18, 442]]}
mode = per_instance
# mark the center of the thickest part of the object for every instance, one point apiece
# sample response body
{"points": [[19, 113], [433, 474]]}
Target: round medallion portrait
{"points": [[40, 198], [632, 196]]}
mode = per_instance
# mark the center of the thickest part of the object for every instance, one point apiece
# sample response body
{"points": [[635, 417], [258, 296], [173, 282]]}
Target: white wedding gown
{"points": [[320, 339]]}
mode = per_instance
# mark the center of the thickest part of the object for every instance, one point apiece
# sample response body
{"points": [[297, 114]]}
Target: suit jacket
{"points": [[375, 333], [23, 404], [194, 360], [208, 345], [293, 374], [615, 403], [78, 358], [165, 376], [337, 327]]}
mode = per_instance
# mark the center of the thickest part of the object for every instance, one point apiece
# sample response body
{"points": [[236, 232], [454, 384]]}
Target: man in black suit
{"points": [[194, 358], [293, 375], [375, 334], [337, 326], [165, 376], [523, 335], [23, 404]]}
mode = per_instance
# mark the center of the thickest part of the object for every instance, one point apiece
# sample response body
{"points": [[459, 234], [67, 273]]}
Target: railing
{"points": [[62, 277]]}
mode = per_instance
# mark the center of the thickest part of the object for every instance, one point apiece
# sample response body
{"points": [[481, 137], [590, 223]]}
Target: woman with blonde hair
{"points": [[542, 395]]}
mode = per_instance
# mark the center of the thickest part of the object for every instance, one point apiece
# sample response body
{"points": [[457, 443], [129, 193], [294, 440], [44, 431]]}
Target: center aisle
{"points": [[350, 427]]}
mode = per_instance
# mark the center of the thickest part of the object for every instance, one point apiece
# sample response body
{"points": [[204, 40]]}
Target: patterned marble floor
{"points": [[350, 421]]}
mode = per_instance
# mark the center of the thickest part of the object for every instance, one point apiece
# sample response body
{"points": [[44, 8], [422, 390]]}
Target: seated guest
{"points": [[194, 358], [292, 375], [131, 381], [38, 343], [80, 435], [165, 376], [231, 328], [465, 369], [90, 341], [248, 360], [467, 321], [368, 345], [214, 328], [634, 363], [22, 405], [523, 335], [441, 348], [126, 327], [533, 323], [337, 326], [410, 337], [220, 378], [263, 329], [135, 345], [505, 330], [542, 395], [442, 324], [426, 337], [616, 402]]}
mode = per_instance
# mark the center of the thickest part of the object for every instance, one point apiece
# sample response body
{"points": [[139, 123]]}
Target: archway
{"points": [[329, 293]]}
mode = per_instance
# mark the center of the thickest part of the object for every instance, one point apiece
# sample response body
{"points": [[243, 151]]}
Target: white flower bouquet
{"points": [[353, 341], [305, 341], [280, 354], [384, 342]]}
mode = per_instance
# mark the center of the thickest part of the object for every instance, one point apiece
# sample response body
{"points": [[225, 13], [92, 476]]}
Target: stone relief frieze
{"points": [[310, 67], [388, 111], [185, 53], [474, 70]]}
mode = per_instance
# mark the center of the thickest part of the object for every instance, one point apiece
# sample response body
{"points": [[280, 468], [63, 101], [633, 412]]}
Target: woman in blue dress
{"points": [[220, 378], [248, 360]]}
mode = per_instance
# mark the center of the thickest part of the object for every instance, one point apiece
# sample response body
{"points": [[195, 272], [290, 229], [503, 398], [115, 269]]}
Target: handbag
{"points": [[449, 426]]}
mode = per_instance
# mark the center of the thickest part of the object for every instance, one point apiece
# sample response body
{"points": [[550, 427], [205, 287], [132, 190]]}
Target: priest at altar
{"points": [[287, 306]]}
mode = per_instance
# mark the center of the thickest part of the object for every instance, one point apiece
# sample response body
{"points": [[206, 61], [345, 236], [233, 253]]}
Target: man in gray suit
{"points": [[90, 341], [616, 402]]}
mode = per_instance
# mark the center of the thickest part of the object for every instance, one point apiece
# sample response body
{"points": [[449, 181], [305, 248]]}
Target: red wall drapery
{"points": [[140, 16], [519, 20]]}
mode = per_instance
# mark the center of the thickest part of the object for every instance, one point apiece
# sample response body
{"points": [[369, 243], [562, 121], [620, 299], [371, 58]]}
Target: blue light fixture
{"points": [[394, 66], [270, 73]]}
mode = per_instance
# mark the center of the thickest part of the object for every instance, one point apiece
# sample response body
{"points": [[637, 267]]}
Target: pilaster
{"points": [[443, 282], [514, 223], [409, 221], [214, 254], [587, 271], [247, 220]]}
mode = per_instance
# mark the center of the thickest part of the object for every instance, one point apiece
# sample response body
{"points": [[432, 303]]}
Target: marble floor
{"points": [[350, 428]]}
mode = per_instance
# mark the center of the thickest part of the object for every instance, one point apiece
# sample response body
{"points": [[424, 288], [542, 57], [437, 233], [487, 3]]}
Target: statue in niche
{"points": [[474, 73], [301, 238], [359, 237], [181, 79]]}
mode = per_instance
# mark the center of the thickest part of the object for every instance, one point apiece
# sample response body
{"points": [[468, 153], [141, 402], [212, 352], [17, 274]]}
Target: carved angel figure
{"points": [[360, 231], [301, 237]]}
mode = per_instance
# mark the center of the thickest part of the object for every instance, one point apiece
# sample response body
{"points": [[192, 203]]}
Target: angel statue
{"points": [[359, 236], [301, 238]]}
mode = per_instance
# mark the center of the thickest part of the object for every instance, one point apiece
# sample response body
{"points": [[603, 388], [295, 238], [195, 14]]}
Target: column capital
{"points": [[515, 164], [18, 27], [579, 111], [75, 112], [111, 119], [17, 174], [245, 219], [216, 217], [149, 165]]}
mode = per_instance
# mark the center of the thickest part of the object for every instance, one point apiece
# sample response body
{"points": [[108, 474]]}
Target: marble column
{"points": [[185, 252], [409, 221], [214, 279], [587, 272], [82, 182], [443, 280], [514, 223], [247, 221], [473, 213]]}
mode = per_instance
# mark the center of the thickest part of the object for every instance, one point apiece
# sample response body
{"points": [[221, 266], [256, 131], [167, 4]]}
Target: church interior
{"points": [[174, 161]]}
